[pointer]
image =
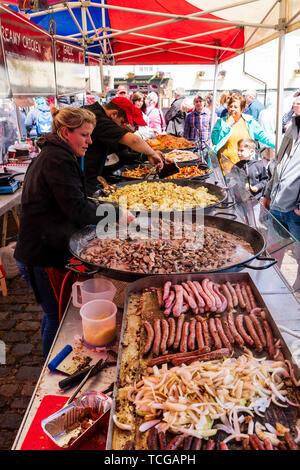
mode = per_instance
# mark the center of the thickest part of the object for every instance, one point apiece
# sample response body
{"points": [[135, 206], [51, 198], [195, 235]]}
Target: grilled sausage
{"points": [[240, 298], [199, 337], [162, 440], [170, 299], [235, 299], [200, 301], [187, 442], [166, 290], [268, 444], [192, 335], [240, 328], [228, 296], [159, 294], [177, 309], [184, 337], [175, 442], [196, 444], [253, 334], [150, 338], [269, 338], [157, 337], [164, 335], [246, 298], [217, 300], [205, 286], [223, 446], [190, 301], [290, 441], [180, 321], [246, 444], [251, 296], [222, 335], [259, 329], [214, 333], [222, 298], [169, 357], [152, 439], [206, 334], [210, 445], [172, 331], [255, 443], [226, 329], [129, 445], [237, 337], [210, 356]]}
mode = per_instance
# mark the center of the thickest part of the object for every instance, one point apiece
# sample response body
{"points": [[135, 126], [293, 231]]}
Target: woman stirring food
{"points": [[236, 126], [54, 205]]}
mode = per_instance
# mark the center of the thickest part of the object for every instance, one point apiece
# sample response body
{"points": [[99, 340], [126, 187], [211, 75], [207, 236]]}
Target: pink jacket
{"points": [[156, 120]]}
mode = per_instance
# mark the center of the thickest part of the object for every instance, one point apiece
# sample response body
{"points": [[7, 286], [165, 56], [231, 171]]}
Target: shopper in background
{"points": [[122, 91], [267, 121], [139, 100], [287, 117], [253, 105], [223, 103], [39, 119], [197, 123], [255, 171], [175, 117], [155, 118]]}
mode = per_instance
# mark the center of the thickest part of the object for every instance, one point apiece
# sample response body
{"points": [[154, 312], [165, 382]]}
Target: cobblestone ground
{"points": [[20, 322]]}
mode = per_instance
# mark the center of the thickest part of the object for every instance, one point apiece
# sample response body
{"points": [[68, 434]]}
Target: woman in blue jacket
{"points": [[236, 126]]}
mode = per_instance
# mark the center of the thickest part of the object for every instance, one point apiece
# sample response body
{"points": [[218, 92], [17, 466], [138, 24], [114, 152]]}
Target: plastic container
{"points": [[92, 289], [99, 322]]}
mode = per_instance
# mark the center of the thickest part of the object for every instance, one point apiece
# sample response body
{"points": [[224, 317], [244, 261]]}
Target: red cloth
{"points": [[36, 439]]}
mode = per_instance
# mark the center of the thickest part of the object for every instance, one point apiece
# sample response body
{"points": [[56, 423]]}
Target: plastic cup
{"points": [[92, 289], [99, 322]]}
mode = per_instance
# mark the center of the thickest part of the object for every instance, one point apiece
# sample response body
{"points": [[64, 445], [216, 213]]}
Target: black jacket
{"points": [[256, 174], [174, 118], [53, 206]]}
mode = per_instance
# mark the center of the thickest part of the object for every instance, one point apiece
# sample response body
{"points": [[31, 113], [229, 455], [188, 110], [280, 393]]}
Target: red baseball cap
{"points": [[133, 113]]}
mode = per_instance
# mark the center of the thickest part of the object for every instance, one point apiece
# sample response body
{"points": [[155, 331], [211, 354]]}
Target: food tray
{"points": [[130, 326], [63, 426]]}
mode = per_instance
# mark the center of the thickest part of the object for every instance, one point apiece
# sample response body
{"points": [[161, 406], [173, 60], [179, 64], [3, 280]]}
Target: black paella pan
{"points": [[80, 239]]}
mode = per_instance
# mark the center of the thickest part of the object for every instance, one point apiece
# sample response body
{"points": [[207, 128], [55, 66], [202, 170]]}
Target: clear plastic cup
{"points": [[83, 292], [99, 322]]}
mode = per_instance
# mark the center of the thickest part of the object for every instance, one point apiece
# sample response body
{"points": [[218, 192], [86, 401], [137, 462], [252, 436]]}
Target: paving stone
{"points": [[28, 373], [14, 337], [27, 390], [28, 326], [7, 325], [8, 390], [21, 402], [22, 349], [11, 421]]}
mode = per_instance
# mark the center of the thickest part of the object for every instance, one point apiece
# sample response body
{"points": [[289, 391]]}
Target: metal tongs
{"points": [[169, 169]]}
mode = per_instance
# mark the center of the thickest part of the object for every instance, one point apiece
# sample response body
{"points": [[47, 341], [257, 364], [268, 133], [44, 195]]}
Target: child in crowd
{"points": [[255, 170]]}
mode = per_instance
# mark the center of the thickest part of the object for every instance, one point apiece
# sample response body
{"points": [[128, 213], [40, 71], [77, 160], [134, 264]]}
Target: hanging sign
{"points": [[29, 56], [70, 69], [4, 83], [94, 75]]}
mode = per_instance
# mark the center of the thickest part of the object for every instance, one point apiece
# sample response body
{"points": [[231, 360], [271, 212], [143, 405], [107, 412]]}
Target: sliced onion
{"points": [[148, 425], [125, 427]]}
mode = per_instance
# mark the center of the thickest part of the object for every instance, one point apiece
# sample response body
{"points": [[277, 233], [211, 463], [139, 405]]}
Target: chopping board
{"points": [[36, 439]]}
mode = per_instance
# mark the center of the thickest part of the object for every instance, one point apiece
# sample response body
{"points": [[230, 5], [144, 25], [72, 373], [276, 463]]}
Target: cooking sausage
{"points": [[199, 337], [259, 329], [166, 290], [180, 321], [239, 321], [170, 299], [214, 333], [152, 439], [206, 335], [255, 443], [206, 289], [168, 310], [235, 299], [199, 299], [268, 444], [246, 298], [269, 338], [169, 357], [190, 301], [172, 331], [210, 445], [239, 295], [159, 296], [129, 445], [192, 335], [228, 296], [204, 297], [290, 441], [223, 446], [256, 310], [251, 296], [253, 334], [162, 440], [282, 446], [196, 444], [245, 444], [150, 337], [184, 337], [177, 309], [226, 329], [210, 356], [237, 337], [164, 335], [157, 337], [175, 442], [223, 299], [222, 335], [187, 442], [217, 300], [190, 291]]}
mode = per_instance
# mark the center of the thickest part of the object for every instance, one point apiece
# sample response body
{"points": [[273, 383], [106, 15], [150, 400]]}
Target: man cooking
{"points": [[116, 122]]}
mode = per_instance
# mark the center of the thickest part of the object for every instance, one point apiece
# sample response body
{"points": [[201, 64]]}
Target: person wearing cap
{"points": [[122, 91], [197, 124], [116, 123]]}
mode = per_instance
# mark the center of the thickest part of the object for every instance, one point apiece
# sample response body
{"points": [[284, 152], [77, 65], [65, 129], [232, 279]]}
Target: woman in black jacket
{"points": [[54, 205]]}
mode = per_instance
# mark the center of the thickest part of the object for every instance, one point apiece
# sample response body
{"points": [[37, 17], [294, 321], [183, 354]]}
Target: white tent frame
{"points": [[104, 35]]}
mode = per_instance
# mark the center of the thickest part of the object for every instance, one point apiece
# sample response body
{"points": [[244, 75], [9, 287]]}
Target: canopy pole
{"points": [[280, 73], [213, 113]]}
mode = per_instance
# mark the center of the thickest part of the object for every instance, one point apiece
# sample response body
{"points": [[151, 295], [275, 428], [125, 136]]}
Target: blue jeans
{"points": [[47, 299], [290, 221]]}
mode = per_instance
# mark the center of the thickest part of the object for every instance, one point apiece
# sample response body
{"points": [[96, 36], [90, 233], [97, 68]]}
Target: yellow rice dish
{"points": [[161, 196]]}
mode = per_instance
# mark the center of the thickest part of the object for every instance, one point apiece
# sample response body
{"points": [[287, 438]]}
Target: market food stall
{"points": [[186, 296]]}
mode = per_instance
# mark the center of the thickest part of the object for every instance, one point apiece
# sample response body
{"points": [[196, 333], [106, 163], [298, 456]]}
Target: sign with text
{"points": [[29, 56], [70, 69], [4, 83]]}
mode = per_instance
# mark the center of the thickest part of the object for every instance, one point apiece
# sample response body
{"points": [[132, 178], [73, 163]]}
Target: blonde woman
{"points": [[54, 205]]}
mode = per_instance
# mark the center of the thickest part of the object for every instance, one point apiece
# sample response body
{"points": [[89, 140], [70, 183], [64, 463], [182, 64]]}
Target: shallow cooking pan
{"points": [[218, 191], [248, 234], [117, 174]]}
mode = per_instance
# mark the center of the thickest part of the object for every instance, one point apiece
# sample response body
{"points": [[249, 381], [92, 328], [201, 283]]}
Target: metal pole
{"points": [[213, 114], [280, 72]]}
